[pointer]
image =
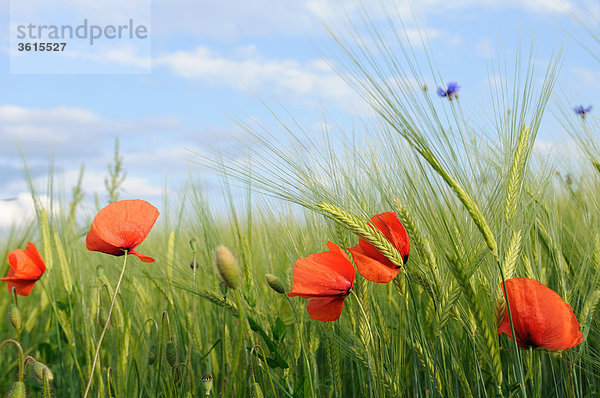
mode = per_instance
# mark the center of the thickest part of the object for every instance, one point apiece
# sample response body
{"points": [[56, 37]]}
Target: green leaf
{"points": [[279, 330], [299, 388]]}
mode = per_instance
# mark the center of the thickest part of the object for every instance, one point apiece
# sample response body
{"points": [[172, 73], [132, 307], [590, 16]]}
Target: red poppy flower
{"points": [[122, 226], [541, 318], [26, 267], [369, 261], [326, 279]]}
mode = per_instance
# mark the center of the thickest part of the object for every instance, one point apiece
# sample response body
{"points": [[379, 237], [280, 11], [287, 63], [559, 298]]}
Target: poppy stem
{"points": [[21, 372], [512, 329], [110, 310], [18, 311]]}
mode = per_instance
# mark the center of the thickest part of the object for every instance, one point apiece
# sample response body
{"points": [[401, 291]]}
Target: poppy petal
{"points": [[325, 308], [370, 262], [143, 257], [95, 243], [26, 264], [372, 269], [33, 253], [371, 251], [541, 318], [120, 226], [23, 287], [330, 273], [389, 224], [26, 267]]}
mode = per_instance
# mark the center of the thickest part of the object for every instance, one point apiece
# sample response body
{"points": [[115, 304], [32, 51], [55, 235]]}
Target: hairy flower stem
{"points": [[110, 310], [303, 347], [16, 303], [46, 392], [21, 373], [512, 330]]}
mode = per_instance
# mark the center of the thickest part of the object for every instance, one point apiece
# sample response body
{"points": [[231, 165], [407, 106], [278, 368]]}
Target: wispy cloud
{"points": [[586, 78], [67, 131], [249, 70]]}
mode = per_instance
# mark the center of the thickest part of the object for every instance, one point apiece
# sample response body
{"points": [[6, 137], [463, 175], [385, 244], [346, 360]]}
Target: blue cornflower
{"points": [[581, 111], [451, 90]]}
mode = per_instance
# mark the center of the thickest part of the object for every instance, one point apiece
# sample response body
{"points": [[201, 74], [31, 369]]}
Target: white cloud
{"points": [[93, 182], [253, 71], [233, 19], [563, 149], [20, 210], [67, 131]]}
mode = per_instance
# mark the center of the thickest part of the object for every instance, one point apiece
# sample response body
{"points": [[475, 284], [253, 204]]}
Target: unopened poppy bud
{"points": [[40, 370], [207, 381], [275, 283], [17, 390], [152, 354], [171, 353], [223, 288], [99, 270], [194, 244], [102, 317], [14, 316], [227, 266], [256, 391]]}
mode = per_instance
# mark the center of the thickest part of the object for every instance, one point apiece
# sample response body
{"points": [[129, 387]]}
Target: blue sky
{"points": [[212, 60]]}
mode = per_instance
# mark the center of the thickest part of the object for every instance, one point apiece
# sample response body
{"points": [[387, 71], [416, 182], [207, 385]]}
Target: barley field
{"points": [[454, 207]]}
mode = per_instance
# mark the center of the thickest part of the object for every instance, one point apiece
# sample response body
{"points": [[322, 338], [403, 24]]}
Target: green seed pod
{"points": [[207, 382], [14, 316], [102, 317], [40, 370], [171, 353], [255, 391], [194, 244], [152, 354], [99, 271], [228, 267], [275, 283], [17, 390]]}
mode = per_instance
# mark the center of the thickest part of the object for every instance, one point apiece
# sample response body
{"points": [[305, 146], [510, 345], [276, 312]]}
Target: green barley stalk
{"points": [[427, 365], [517, 171], [446, 308], [475, 307], [415, 236], [512, 254]]}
